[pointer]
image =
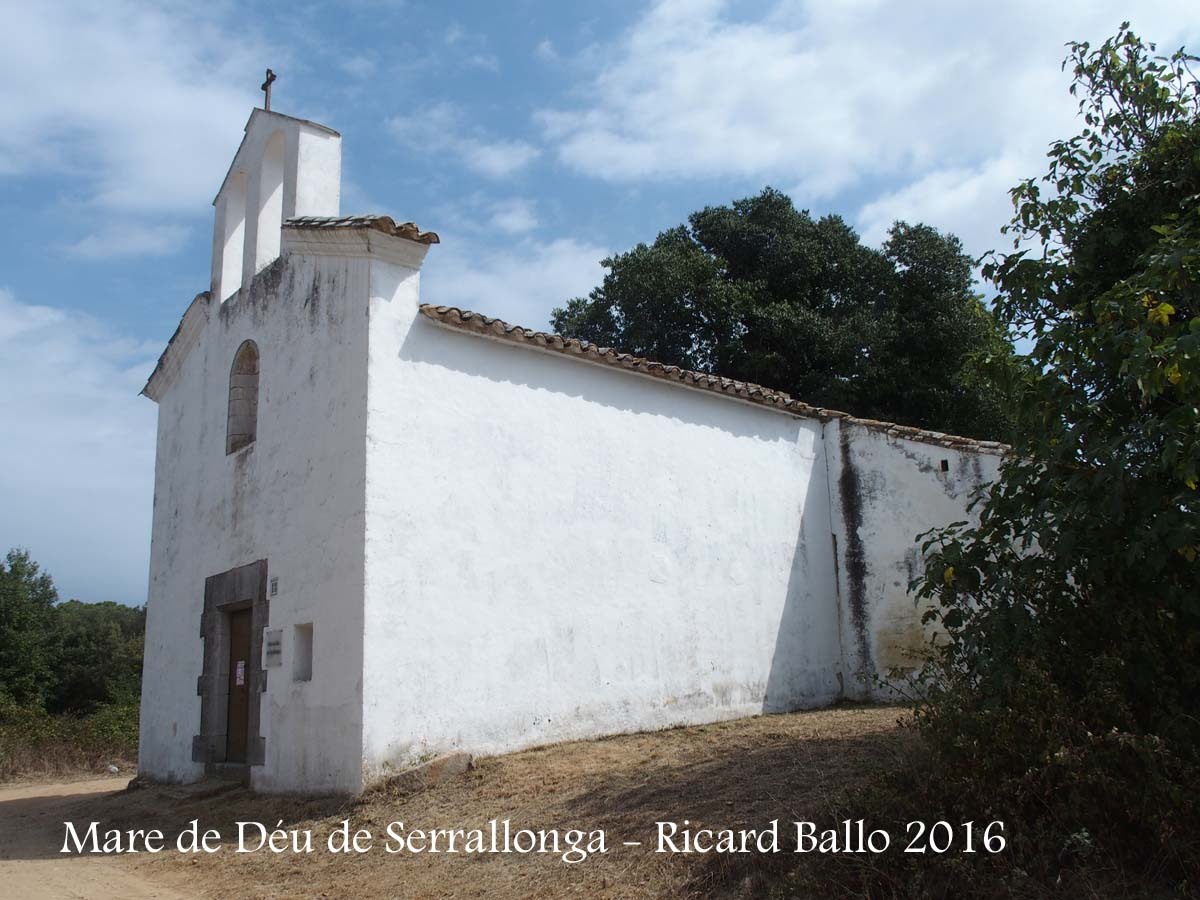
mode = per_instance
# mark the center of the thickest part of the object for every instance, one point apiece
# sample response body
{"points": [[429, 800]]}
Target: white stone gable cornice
{"points": [[191, 326], [403, 244]]}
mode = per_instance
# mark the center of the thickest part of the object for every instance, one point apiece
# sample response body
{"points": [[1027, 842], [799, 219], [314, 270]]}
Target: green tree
{"points": [[100, 659], [761, 291], [1071, 613], [28, 644]]}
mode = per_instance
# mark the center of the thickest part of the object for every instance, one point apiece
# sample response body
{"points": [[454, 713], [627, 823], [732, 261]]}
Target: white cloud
{"points": [[136, 99], [358, 200], [545, 51], [833, 97], [473, 47], [497, 159], [121, 240], [77, 451], [480, 216], [975, 198], [520, 283], [513, 216], [485, 61], [440, 127], [139, 105], [359, 66]]}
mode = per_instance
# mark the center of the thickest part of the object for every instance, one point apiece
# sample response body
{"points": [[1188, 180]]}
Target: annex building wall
{"points": [[557, 549]]}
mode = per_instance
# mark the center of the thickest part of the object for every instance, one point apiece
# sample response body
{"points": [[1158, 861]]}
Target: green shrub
{"points": [[1082, 788], [36, 743], [1063, 697]]}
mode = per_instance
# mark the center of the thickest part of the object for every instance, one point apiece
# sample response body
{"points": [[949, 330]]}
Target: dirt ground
{"points": [[735, 775], [31, 822]]}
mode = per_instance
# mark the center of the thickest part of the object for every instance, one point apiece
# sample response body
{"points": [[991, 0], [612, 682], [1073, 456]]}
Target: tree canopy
{"points": [[100, 654], [28, 643], [1071, 612], [69, 656], [761, 291]]}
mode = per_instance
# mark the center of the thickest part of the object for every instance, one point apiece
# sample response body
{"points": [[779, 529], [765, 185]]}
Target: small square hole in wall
{"points": [[302, 653], [945, 465]]}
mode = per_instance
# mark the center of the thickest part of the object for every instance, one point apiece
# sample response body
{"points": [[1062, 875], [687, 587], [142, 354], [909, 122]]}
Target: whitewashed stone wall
{"points": [[499, 546], [293, 497], [559, 550], [556, 549], [887, 489]]}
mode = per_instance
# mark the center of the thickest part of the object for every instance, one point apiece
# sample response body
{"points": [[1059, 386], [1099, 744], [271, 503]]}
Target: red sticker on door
{"points": [[241, 673]]}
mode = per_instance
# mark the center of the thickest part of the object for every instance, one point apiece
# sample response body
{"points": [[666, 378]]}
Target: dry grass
{"points": [[35, 745], [63, 761], [727, 775]]}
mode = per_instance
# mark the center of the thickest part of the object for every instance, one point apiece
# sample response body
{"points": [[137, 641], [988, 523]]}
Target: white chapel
{"points": [[385, 528]]}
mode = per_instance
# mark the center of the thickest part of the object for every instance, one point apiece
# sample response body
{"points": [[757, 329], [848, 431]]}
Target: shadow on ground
{"points": [[739, 774], [34, 827]]}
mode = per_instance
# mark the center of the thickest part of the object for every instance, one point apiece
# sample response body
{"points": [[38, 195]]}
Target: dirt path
{"points": [[739, 774], [31, 831]]}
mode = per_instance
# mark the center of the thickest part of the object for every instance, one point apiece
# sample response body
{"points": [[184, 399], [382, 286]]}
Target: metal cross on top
{"points": [[266, 89]]}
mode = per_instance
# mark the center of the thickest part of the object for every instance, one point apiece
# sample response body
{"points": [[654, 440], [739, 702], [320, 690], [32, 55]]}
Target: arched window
{"points": [[242, 425]]}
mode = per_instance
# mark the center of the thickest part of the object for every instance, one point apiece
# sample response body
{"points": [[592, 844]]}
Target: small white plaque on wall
{"points": [[273, 648]]}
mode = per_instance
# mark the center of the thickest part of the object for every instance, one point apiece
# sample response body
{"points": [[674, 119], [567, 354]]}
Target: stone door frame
{"points": [[243, 587]]}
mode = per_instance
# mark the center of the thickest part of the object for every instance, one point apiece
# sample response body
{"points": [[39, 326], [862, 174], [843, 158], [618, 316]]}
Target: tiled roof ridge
{"points": [[386, 224], [488, 326]]}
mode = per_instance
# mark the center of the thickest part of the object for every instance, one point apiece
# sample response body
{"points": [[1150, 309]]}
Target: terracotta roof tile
{"points": [[487, 326], [386, 224]]}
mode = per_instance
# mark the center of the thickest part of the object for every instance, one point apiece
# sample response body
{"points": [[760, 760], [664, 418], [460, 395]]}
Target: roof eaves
{"points": [[488, 326], [385, 224]]}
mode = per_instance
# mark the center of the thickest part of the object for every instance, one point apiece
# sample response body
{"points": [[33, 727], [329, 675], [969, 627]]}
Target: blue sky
{"points": [[534, 137]]}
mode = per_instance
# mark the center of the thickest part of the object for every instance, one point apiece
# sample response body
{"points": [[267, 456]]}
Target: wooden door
{"points": [[239, 686]]}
